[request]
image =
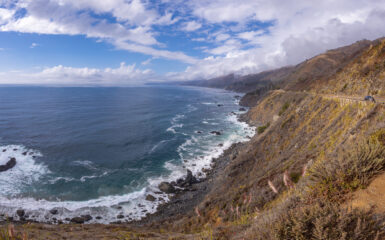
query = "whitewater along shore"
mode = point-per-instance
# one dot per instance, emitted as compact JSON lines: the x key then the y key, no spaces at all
{"x":187,"y":195}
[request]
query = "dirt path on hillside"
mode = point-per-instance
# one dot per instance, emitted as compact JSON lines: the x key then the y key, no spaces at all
{"x":372,"y":196}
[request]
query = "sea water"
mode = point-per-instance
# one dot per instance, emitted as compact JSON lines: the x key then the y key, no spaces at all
{"x":101,"y":151}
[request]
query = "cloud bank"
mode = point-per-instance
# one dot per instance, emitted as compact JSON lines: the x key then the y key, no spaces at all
{"x":124,"y":75}
{"x":220,"y":36}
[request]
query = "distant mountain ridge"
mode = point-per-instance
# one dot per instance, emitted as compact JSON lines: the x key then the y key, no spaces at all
{"x":314,"y":73}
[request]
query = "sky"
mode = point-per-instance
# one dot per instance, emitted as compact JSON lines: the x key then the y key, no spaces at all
{"x":130,"y":42}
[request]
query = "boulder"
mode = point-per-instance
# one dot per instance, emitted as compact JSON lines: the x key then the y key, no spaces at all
{"x":99,"y":217}
{"x":20,"y":213}
{"x":87,"y":217}
{"x":216,"y":133}
{"x":166,"y":187}
{"x":53,"y":211}
{"x":150,"y":198}
{"x":10,"y":164}
{"x":78,"y":220}
{"x":120,"y":216}
{"x":190,"y":179}
{"x":242,"y":109}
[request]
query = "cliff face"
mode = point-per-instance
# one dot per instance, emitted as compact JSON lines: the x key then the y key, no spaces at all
{"x":315,"y":119}
{"x":302,"y":128}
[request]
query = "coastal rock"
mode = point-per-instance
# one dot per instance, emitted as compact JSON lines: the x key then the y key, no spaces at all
{"x":20,"y":213}
{"x":199,"y":132}
{"x":87,"y":217}
{"x":99,"y":217}
{"x":53,"y":211}
{"x":220,"y":105}
{"x":166,"y":187}
{"x":10,"y":164}
{"x":120,"y":216}
{"x":150,"y":198}
{"x":78,"y":220}
{"x":190,"y":179}
{"x":216,"y":133}
{"x":242,"y":109}
{"x":220,"y":145}
{"x":24,"y":153}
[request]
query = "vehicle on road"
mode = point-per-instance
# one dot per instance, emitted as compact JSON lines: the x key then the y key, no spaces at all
{"x":369,"y":98}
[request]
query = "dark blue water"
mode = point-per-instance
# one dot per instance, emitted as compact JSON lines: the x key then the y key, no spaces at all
{"x":102,"y":150}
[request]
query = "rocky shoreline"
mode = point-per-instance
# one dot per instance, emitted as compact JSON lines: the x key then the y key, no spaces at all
{"x":186,"y":192}
{"x":186,"y":199}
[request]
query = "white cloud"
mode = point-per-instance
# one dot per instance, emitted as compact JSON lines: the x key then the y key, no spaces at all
{"x":33,"y":45}
{"x":133,"y":25}
{"x":191,"y":26}
{"x":300,"y":30}
{"x":243,"y":36}
{"x":124,"y":75}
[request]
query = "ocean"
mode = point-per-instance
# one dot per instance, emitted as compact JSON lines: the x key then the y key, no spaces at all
{"x":101,"y":151}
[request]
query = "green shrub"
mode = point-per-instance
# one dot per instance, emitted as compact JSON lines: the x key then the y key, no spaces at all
{"x":378,"y":136}
{"x":328,"y":221}
{"x":261,"y":129}
{"x":284,"y":108}
{"x":353,"y":169}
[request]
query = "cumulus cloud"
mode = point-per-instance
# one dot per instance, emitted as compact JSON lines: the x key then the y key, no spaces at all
{"x":241,"y":36}
{"x":124,"y":75}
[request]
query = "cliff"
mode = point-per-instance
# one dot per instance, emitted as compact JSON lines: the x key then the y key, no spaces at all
{"x":314,"y":170}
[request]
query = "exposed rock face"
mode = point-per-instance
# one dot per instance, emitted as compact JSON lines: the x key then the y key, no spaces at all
{"x":166,"y":187}
{"x":10,"y":164}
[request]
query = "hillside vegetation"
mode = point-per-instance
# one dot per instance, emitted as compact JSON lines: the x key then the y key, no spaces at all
{"x":304,"y":175}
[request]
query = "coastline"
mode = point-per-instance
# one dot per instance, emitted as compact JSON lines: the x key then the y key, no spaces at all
{"x":179,"y":203}
{"x":183,"y":203}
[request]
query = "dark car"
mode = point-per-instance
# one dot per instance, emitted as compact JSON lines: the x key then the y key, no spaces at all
{"x":369,"y":98}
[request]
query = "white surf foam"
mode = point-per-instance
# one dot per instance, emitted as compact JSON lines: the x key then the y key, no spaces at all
{"x":25,"y":172}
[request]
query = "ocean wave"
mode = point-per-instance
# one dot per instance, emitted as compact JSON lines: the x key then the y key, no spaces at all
{"x":25,"y":172}
{"x":195,"y":153}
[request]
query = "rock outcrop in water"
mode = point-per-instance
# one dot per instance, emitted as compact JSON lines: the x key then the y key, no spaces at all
{"x":10,"y":164}
{"x":166,"y":187}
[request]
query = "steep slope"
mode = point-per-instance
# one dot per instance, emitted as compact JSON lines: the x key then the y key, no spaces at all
{"x":365,"y":75}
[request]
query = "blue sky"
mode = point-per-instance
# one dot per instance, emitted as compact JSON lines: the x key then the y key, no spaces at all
{"x":124,"y":42}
